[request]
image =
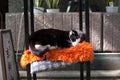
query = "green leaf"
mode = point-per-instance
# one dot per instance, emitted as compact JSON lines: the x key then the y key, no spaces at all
{"x":49,"y":3}
{"x":52,"y":3}
{"x":38,"y":3}
{"x":55,"y":3}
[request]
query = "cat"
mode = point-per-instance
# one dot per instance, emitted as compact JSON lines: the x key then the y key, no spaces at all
{"x":45,"y":39}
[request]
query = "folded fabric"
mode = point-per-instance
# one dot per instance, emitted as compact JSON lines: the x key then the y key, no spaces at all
{"x":46,"y":65}
{"x":80,"y":53}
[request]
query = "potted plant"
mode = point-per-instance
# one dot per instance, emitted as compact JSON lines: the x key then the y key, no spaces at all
{"x":38,"y":6}
{"x":52,"y":6}
{"x":111,"y":8}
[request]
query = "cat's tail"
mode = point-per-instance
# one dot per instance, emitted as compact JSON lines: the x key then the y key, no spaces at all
{"x":37,"y":51}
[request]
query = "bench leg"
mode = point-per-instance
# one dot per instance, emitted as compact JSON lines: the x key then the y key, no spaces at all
{"x":81,"y":71}
{"x":88,"y":69}
{"x":34,"y":76}
{"x":28,"y":72}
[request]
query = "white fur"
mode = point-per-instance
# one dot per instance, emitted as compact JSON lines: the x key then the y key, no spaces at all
{"x":76,"y":42}
{"x":70,"y":33}
{"x":53,"y":47}
{"x":40,"y":47}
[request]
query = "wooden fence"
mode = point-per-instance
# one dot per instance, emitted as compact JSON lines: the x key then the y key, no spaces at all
{"x":104,"y":27}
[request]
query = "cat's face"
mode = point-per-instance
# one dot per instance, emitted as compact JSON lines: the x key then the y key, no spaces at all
{"x":76,"y":37}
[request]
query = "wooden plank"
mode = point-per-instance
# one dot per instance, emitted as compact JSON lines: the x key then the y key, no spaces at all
{"x":107,"y":32}
{"x":83,"y":20}
{"x":75,"y":21}
{"x":38,"y":21}
{"x":67,"y":25}
{"x":48,"y":20}
{"x":95,"y":30}
{"x":9,"y":60}
{"x":11,"y":24}
{"x":58,"y":21}
{"x":67,"y":21}
{"x":116,"y":32}
{"x":2,"y":62}
{"x":19,"y":32}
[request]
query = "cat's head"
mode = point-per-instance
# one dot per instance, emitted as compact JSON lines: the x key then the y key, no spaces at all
{"x":76,"y":37}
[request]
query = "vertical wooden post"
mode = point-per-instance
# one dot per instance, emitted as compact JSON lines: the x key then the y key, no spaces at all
{"x":26,"y":28}
{"x":26,"y":23}
{"x":81,"y":28}
{"x":32,"y":24}
{"x":88,"y":70}
{"x":87,"y":36}
{"x":81,"y":70}
{"x":80,"y":15}
{"x":87,"y":20}
{"x":31,"y":16}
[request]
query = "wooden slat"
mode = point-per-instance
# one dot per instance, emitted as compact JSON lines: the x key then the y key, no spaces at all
{"x":7,"y":56}
{"x":11,"y":24}
{"x":19,"y":32}
{"x":95,"y":30}
{"x":48,"y":20}
{"x":67,"y":25}
{"x":75,"y":21}
{"x":116,"y":32}
{"x":67,"y":21}
{"x":107,"y":32}
{"x":39,"y":21}
{"x":58,"y":21}
{"x":83,"y":20}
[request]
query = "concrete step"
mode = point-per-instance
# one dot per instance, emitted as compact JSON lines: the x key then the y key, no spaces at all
{"x":106,"y":61}
{"x":74,"y":75}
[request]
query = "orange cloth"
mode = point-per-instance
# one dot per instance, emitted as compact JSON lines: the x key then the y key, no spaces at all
{"x":80,"y":53}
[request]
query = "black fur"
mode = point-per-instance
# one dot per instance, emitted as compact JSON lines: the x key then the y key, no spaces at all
{"x":52,"y":37}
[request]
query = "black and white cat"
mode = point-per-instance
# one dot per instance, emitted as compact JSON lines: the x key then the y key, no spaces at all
{"x":45,"y":39}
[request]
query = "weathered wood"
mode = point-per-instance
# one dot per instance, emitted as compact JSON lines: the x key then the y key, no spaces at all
{"x":15,"y":23}
{"x":39,"y":21}
{"x":107,"y":32}
{"x":20,"y":40}
{"x":67,"y":23}
{"x":75,"y":21}
{"x":48,"y":20}
{"x":116,"y":32}
{"x":111,"y":32}
{"x":104,"y":27}
{"x":9,"y":66}
{"x":2,"y":62}
{"x":11,"y":24}
{"x":58,"y":21}
{"x":95,"y":30}
{"x":83,"y":23}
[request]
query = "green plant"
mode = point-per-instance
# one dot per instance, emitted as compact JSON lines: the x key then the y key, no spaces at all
{"x":52,"y":4}
{"x":38,"y":3}
{"x":107,"y":2}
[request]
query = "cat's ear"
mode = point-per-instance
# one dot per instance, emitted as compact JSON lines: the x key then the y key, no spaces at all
{"x":82,"y":36}
{"x":70,"y":32}
{"x":73,"y":32}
